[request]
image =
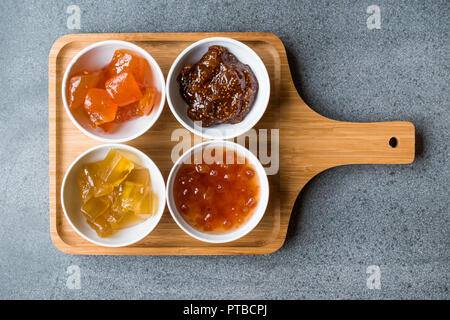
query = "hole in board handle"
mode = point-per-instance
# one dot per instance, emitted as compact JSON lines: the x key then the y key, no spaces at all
{"x":393,"y":142}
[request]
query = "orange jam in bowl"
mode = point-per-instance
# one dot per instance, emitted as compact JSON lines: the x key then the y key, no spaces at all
{"x":219,"y":193}
{"x":113,"y":91}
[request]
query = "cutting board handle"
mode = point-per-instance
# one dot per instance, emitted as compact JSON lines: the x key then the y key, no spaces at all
{"x":343,"y":143}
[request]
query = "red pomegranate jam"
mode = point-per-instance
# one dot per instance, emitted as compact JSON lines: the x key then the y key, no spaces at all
{"x":217,"y":197}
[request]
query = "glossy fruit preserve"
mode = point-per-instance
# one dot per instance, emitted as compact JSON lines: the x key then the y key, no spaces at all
{"x":116,"y":193}
{"x":219,"y":88}
{"x":217,"y":197}
{"x":119,"y":92}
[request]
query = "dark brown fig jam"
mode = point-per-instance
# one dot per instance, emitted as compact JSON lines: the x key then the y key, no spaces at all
{"x":218,"y":88}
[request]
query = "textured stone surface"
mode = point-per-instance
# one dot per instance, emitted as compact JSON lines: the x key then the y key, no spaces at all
{"x":346,"y":219}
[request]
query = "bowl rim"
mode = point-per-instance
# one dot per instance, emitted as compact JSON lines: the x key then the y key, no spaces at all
{"x":131,"y":149}
{"x":260,"y":211}
{"x":145,"y":55}
{"x":194,"y":129}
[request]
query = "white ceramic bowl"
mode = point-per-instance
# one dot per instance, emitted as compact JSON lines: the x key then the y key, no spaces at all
{"x":96,"y":57}
{"x":192,"y":55}
{"x":251,"y":222}
{"x":71,"y":201}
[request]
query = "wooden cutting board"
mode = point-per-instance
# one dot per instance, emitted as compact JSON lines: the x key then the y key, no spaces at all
{"x":308,"y":143}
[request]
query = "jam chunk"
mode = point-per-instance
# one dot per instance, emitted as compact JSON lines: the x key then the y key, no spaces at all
{"x":115,"y":217}
{"x":128,"y":61}
{"x":148,"y":205}
{"x":94,"y":210}
{"x":127,"y":221}
{"x":86,"y":181}
{"x":90,"y":184}
{"x":123,"y":89}
{"x":99,"y":107}
{"x":134,"y":195}
{"x":129,"y":197}
{"x":148,"y":100}
{"x":145,"y":205}
{"x":108,"y":126}
{"x":128,"y":112}
{"x":95,"y":207}
{"x":115,"y":168}
{"x":101,"y":226}
{"x":79,"y":85}
{"x":139,"y":175}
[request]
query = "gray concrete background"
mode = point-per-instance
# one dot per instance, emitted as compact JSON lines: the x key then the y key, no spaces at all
{"x":347,"y":218}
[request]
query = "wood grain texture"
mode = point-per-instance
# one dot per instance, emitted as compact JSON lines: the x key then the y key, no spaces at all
{"x":309,"y":144}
